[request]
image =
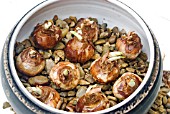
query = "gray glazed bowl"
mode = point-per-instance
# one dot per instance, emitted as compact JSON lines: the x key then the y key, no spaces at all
{"x":114,"y":13}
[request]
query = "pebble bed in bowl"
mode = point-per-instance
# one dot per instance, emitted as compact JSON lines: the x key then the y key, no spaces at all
{"x":102,"y":45}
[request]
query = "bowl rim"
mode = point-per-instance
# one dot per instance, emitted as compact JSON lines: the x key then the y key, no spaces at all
{"x":42,"y":5}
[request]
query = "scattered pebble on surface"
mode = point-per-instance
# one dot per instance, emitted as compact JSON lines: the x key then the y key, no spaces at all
{"x":162,"y":102}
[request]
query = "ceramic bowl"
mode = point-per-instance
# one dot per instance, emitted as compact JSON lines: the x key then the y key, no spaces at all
{"x":114,"y":13}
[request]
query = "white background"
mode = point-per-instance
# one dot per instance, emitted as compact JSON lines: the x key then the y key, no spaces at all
{"x":155,"y":12}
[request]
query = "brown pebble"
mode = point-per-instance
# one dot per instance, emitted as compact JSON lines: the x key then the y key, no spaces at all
{"x":71,"y":93}
{"x":70,"y":98}
{"x":11,"y":109}
{"x":168,"y":110}
{"x":81,"y":91}
{"x":162,"y":109}
{"x":129,"y":69}
{"x":112,"y":98}
{"x":59,"y":45}
{"x":26,"y":84}
{"x":59,"y":104}
{"x":63,"y":106}
{"x":106,"y":87}
{"x":158,"y":102}
{"x":168,"y":105}
{"x":122,"y":71}
{"x":168,"y":100}
{"x":112,"y":39}
{"x":124,"y":65}
{"x":165,"y":89}
{"x":84,"y":82}
{"x":89,"y":78}
{"x":63,"y":94}
{"x":112,"y":103}
{"x":108,"y":92}
{"x":96,"y":56}
{"x":82,"y":73}
{"x":6,"y":105}
{"x":99,"y":48}
{"x":38,"y":80}
{"x":163,"y":93}
{"x":101,"y":41}
{"x":154,"y":106}
{"x":65,"y":100}
{"x":153,"y":112}
{"x":86,"y":65}
{"x":105,"y":48}
{"x":165,"y":100}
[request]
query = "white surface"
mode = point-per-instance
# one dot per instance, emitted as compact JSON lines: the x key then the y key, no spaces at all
{"x":155,"y":13}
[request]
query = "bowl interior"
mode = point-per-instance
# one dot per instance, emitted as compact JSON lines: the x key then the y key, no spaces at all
{"x":113,"y":13}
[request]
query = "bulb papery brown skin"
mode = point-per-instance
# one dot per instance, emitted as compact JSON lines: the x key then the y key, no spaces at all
{"x":92,"y":101}
{"x":80,"y":48}
{"x":103,"y":70}
{"x":46,"y":35}
{"x":126,"y":85}
{"x":130,"y":45}
{"x":65,"y":75}
{"x":89,"y":29}
{"x":79,"y":51}
{"x":45,"y":94}
{"x":30,"y":62}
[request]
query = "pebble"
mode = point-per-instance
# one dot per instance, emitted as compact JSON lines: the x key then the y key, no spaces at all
{"x":96,"y":56}
{"x":112,"y":98}
{"x":65,"y":100}
{"x":129,"y":69}
{"x":112,"y":39}
{"x":89,"y":78}
{"x":106,"y":87}
{"x":19,"y":48}
{"x":162,"y":102}
{"x":165,"y":100}
{"x":112,"y":103}
{"x":86,"y":65}
{"x":168,"y":110}
{"x":122,"y":71}
{"x":124,"y":65}
{"x":106,"y":48}
{"x":63,"y":94}
{"x":168,"y":100}
{"x":70,"y":98}
{"x":154,"y":106}
{"x":59,"y":104}
{"x":158,"y":102}
{"x":161,"y":109}
{"x":108,"y":92}
{"x":99,"y":48}
{"x":6,"y":105}
{"x":84,"y":82}
{"x":63,"y":106}
{"x":38,"y":80}
{"x":168,"y":105}
{"x":71,"y":93}
{"x":101,"y":41}
{"x":152,"y":112}
{"x":59,"y":45}
{"x":81,"y":91}
{"x":82,"y":73}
